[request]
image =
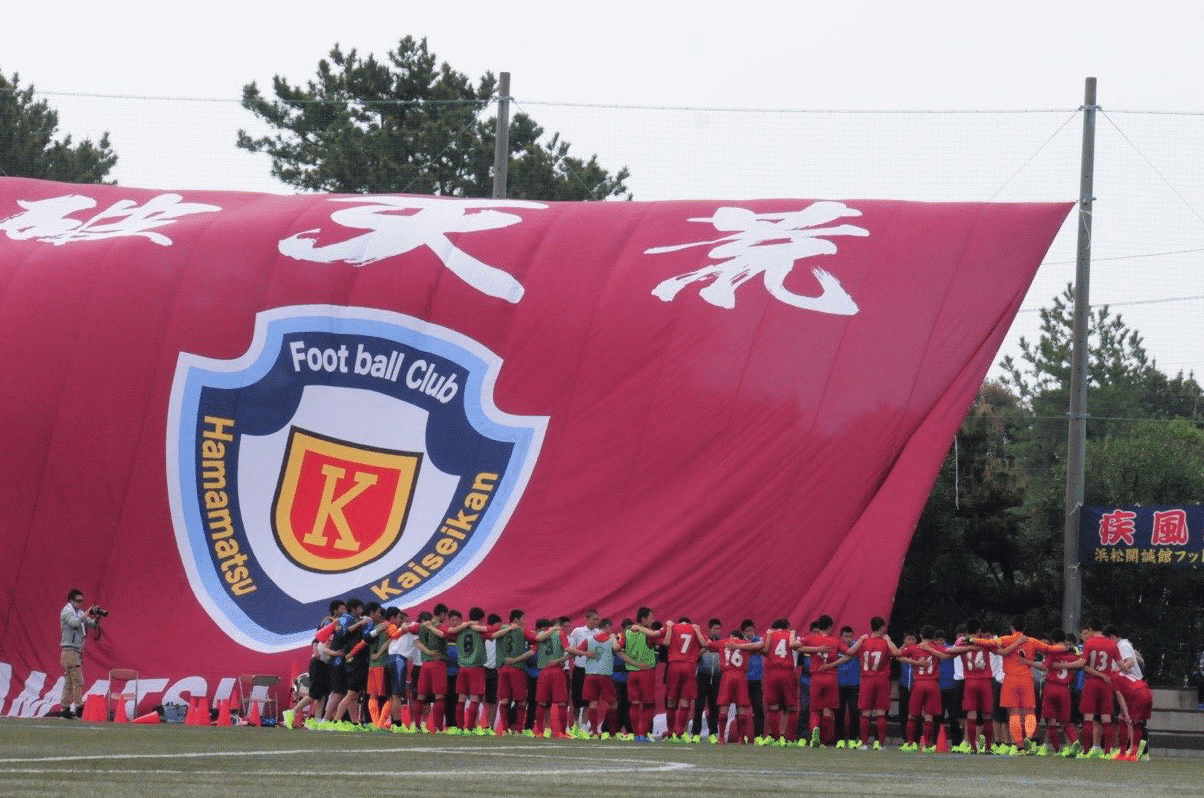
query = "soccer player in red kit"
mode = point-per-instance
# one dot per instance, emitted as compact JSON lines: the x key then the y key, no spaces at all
{"x":825,"y":650}
{"x":470,"y":682}
{"x":874,"y":652}
{"x":637,"y":650}
{"x":1135,"y":700}
{"x":978,"y":695}
{"x":551,"y":687}
{"x":733,"y":683}
{"x":779,"y":682}
{"x":685,"y":641}
{"x":513,"y":650}
{"x":1095,"y":703}
{"x":925,"y":691}
{"x":432,"y":676}
{"x":1060,"y":670}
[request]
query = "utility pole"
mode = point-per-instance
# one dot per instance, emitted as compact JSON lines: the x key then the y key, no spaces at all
{"x":1076,"y":447}
{"x":501,"y":143}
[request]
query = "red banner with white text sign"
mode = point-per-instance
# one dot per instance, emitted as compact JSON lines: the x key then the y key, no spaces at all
{"x":227,"y":410}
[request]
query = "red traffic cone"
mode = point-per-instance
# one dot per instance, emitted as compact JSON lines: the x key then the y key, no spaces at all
{"x":223,"y":713}
{"x":120,"y":715}
{"x":253,"y":715}
{"x":942,"y":741}
{"x":149,"y":717}
{"x":94,"y":709}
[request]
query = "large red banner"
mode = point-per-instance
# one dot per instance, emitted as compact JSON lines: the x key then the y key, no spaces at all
{"x":226,"y":409}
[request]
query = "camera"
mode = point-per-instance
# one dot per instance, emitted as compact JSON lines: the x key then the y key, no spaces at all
{"x":100,"y":612}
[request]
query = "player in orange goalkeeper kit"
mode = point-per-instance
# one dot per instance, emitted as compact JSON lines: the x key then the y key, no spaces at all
{"x":1017,"y":695}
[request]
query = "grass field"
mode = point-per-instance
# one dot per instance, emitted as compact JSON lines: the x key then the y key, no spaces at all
{"x":57,"y":757}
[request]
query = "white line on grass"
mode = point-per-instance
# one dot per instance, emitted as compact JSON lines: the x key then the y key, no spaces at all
{"x":612,"y":765}
{"x":241,"y":752}
{"x":443,"y":772}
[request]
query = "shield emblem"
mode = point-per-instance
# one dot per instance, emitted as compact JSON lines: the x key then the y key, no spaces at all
{"x":349,"y":451}
{"x":341,"y":505}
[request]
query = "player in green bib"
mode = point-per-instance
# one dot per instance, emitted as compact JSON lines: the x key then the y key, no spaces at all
{"x":513,"y":651}
{"x":470,"y":682}
{"x":640,"y":656}
{"x":432,"y":677}
{"x":552,"y":651}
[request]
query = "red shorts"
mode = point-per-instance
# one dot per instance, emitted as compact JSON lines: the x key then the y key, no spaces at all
{"x":552,"y":687}
{"x":825,"y":692}
{"x":432,"y":678}
{"x":641,"y":686}
{"x":598,"y":688}
{"x":978,"y":696}
{"x":925,"y":699}
{"x":511,"y":684}
{"x":376,"y":682}
{"x":681,"y":683}
{"x":874,"y":694}
{"x":471,"y":681}
{"x":733,"y":689}
{"x":1096,"y":698}
{"x":780,"y":688}
{"x":1140,"y":706}
{"x":1055,"y":702}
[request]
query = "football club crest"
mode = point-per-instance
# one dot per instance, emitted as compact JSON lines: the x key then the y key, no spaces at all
{"x":347,"y":452}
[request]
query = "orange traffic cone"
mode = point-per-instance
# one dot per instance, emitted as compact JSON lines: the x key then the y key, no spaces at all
{"x":192,"y":717}
{"x":120,"y":715}
{"x":149,"y":717}
{"x":253,"y":715}
{"x":942,"y":741}
{"x":223,"y":713}
{"x":94,"y":709}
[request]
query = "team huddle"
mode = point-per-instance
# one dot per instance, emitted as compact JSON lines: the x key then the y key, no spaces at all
{"x":568,"y":680}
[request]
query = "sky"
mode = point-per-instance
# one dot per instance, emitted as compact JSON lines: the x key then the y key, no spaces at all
{"x":710,"y":55}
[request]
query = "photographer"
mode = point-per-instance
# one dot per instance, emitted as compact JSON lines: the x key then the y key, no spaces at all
{"x":74,"y":623}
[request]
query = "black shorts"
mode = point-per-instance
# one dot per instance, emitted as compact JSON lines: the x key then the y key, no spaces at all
{"x":319,"y":679}
{"x":1001,"y":713}
{"x":395,"y":675}
{"x":357,"y":675}
{"x":491,"y":685}
{"x":338,"y":677}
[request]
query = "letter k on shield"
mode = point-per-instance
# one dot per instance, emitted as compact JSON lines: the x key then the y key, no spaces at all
{"x":340,"y":505}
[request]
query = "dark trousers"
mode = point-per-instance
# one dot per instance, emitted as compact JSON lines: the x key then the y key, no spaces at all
{"x":847,"y":716}
{"x":708,"y":698}
{"x":622,"y":710}
{"x":758,"y":707}
{"x":449,"y":702}
{"x":904,"y":700}
{"x":951,"y":702}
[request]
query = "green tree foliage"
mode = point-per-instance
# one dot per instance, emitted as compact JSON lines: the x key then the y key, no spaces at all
{"x":972,"y":553}
{"x":989,"y":542}
{"x":28,"y":147}
{"x":410,"y":124}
